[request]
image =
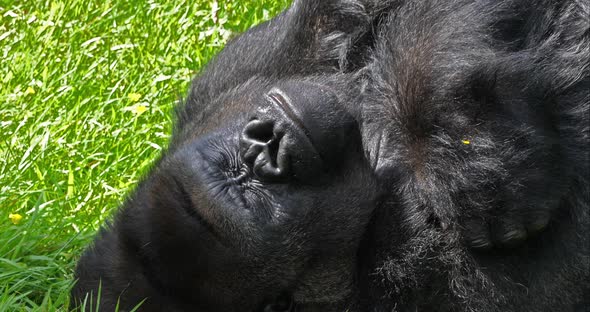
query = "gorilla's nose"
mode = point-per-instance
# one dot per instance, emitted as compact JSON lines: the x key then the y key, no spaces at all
{"x":264,"y":150}
{"x":300,"y":134}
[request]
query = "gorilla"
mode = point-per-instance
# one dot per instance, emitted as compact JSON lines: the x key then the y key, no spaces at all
{"x":369,"y":155}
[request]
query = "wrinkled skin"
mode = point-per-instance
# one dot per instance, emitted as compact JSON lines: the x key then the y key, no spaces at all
{"x":370,"y":156}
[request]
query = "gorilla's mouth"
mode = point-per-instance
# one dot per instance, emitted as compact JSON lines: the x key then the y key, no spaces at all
{"x":229,"y":189}
{"x":221,"y":168}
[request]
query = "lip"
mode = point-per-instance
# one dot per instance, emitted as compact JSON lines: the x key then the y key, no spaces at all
{"x":212,"y":194}
{"x":191,"y":210}
{"x":212,"y":168}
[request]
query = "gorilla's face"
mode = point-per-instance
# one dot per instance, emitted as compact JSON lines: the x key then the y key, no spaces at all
{"x":268,"y":208}
{"x":263,"y":194}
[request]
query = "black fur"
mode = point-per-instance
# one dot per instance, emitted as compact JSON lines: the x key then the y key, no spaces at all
{"x":474,"y":120}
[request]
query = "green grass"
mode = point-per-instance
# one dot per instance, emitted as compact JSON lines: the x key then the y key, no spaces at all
{"x":87,"y":89}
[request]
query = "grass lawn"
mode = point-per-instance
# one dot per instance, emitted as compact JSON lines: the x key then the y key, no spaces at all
{"x":87,"y":89}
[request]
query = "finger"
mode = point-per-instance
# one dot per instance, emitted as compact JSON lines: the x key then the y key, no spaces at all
{"x":477,"y":234}
{"x":508,"y":231}
{"x":537,"y":221}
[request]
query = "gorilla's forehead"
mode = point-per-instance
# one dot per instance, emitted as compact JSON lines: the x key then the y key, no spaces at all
{"x":212,"y":111}
{"x":235,"y":105}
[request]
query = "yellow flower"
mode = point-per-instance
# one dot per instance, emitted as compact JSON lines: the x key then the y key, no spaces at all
{"x":466,"y":142}
{"x":29,"y":90}
{"x":15,"y":218}
{"x":139,"y":109}
{"x":134,"y":97}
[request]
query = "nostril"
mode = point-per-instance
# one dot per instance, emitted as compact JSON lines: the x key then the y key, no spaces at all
{"x":273,"y":152}
{"x":259,"y":131}
{"x":260,"y":149}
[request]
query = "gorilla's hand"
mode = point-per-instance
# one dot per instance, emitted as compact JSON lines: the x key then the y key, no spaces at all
{"x":482,"y":144}
{"x":491,"y":165}
{"x":498,"y":186}
{"x":517,"y":199}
